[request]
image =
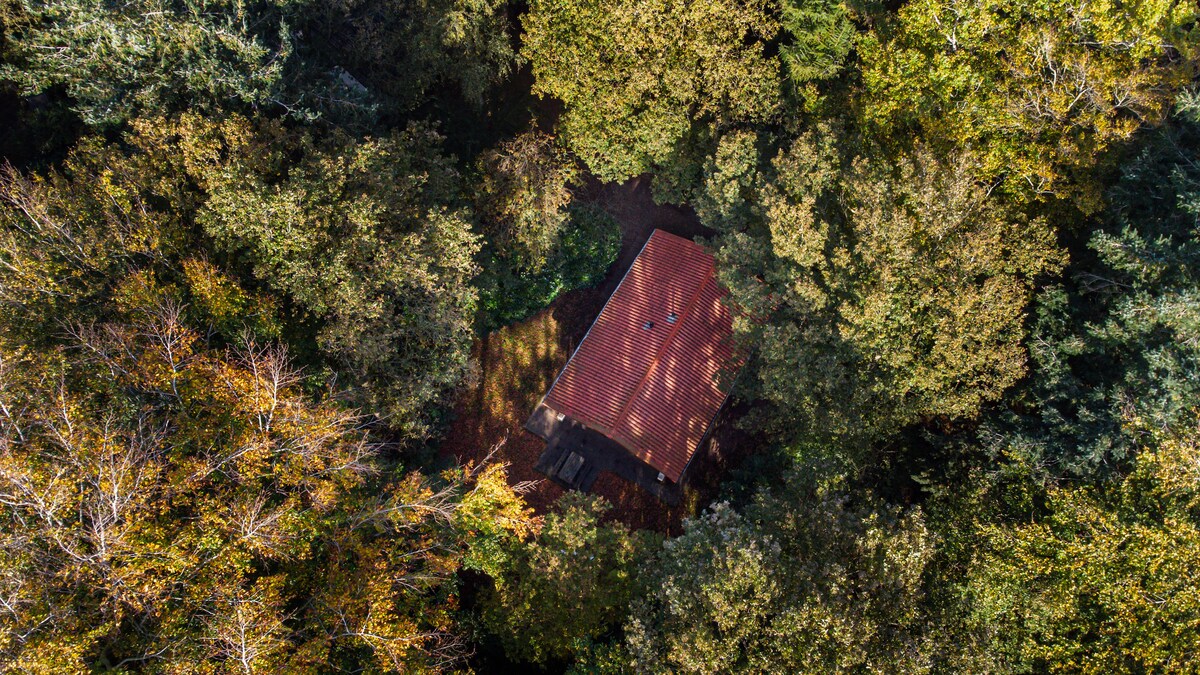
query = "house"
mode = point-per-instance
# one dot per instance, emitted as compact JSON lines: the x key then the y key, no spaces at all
{"x":641,"y":391}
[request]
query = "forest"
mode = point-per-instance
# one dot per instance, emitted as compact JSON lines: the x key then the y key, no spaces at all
{"x":279,"y":280}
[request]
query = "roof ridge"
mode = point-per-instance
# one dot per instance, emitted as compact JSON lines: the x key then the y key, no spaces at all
{"x":687,"y":311}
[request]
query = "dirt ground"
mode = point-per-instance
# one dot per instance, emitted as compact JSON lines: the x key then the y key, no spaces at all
{"x":517,"y":364}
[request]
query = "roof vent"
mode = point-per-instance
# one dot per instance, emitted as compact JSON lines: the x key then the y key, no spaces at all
{"x":647,"y":326}
{"x":672,"y":317}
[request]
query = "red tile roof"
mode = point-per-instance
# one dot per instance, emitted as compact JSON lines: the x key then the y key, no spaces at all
{"x":640,"y":378}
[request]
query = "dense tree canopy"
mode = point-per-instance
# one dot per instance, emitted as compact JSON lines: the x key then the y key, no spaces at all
{"x":523,"y":198}
{"x":820,"y":37}
{"x":168,"y":502}
{"x":272,"y":273}
{"x":568,"y":583}
{"x":116,"y":60}
{"x":397,"y":51}
{"x":832,"y":586}
{"x":1106,"y":581}
{"x":1119,"y":337}
{"x":366,"y":236}
{"x":542,"y":241}
{"x":875,"y":295}
{"x":69,"y":237}
{"x":634,"y":85}
{"x":1039,"y":89}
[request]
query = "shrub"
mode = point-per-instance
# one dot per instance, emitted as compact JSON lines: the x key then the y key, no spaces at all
{"x":587,"y":248}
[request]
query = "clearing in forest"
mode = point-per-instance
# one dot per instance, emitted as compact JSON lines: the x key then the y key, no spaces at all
{"x":518,"y":363}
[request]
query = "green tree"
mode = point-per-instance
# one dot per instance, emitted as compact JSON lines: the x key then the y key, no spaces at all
{"x":571,"y":581}
{"x":366,"y":241}
{"x":1119,"y":335}
{"x":1105,"y":581}
{"x":366,"y":236}
{"x":581,"y":257}
{"x":875,"y":294}
{"x":807,"y":580}
{"x":523,"y":196}
{"x":636,"y":77}
{"x":154,"y":55}
{"x":1039,"y":90}
{"x":821,"y":36}
{"x":173,"y":505}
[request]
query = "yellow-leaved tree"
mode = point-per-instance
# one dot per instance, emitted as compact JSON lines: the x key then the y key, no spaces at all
{"x":1039,"y":89}
{"x":175,"y":495}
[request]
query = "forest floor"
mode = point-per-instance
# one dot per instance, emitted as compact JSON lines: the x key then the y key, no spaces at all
{"x":518,"y":363}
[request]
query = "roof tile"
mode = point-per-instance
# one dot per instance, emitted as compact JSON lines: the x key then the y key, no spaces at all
{"x":647,"y":382}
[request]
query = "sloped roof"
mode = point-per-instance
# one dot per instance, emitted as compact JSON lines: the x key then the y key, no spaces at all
{"x":645,"y":374}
